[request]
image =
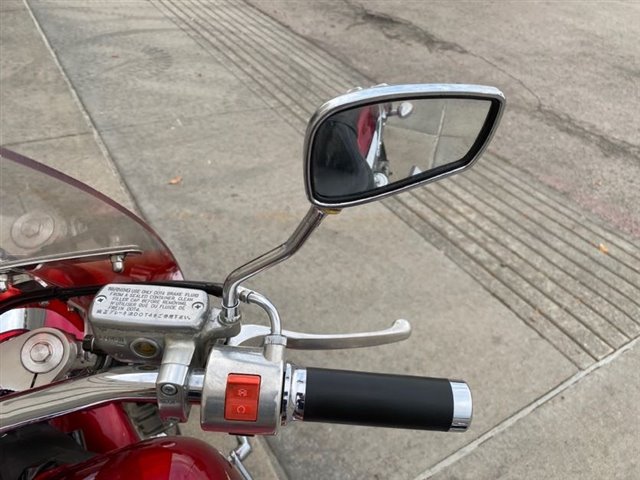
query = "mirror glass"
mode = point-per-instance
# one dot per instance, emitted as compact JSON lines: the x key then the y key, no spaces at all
{"x":359,"y":152}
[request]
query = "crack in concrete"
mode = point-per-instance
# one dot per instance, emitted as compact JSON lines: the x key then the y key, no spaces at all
{"x":395,"y":28}
{"x":569,"y":125}
{"x":132,"y":201}
{"x":431,"y":41}
{"x":511,"y":421}
{"x":46,"y":139}
{"x":632,"y":73}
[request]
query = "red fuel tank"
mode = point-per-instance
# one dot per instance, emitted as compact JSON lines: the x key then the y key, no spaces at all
{"x":168,"y":458}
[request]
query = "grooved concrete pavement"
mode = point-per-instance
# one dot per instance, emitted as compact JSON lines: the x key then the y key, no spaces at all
{"x":219,"y":93}
{"x":565,"y":294}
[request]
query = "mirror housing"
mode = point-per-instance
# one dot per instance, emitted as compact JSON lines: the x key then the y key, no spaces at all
{"x":406,"y":98}
{"x":337,"y":118}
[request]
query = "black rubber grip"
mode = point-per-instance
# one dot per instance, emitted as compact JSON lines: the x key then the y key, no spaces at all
{"x":378,"y":400}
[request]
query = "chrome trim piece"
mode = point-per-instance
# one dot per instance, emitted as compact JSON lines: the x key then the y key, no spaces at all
{"x":398,"y":331}
{"x":462,"y":406}
{"x":275,"y":347}
{"x":286,"y":393}
{"x":79,"y":255}
{"x":196,"y":385}
{"x":230,"y":312}
{"x":390,"y":93}
{"x":22,"y":319}
{"x":294,"y":394}
{"x":298,"y":393}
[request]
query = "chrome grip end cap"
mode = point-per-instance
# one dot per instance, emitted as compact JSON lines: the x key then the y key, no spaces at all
{"x":462,"y":406}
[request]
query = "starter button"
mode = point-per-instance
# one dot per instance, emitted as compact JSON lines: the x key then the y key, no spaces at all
{"x":241,"y":397}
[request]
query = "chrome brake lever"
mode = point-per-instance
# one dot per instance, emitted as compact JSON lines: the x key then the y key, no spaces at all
{"x":399,"y":330}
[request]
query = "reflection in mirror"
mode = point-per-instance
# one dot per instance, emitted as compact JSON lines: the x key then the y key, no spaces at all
{"x":364,"y":149}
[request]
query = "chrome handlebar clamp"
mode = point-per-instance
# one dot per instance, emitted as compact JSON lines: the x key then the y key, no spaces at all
{"x":173,"y":378}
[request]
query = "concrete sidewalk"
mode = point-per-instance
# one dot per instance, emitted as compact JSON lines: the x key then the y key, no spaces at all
{"x":41,"y":115}
{"x":187,"y":89}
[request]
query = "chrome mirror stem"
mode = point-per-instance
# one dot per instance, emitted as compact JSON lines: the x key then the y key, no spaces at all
{"x":230,"y":312}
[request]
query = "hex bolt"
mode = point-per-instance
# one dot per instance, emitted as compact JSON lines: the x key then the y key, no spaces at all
{"x":169,"y":389}
{"x":31,"y":228}
{"x":117,"y":263}
{"x":40,"y":352}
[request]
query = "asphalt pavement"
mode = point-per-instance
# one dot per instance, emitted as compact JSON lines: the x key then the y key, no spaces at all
{"x":513,"y":277}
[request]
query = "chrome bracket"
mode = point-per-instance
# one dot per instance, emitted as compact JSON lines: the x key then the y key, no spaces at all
{"x":173,"y":378}
{"x":117,"y":263}
{"x":5,"y":282}
{"x":293,"y":394}
{"x":398,"y":331}
{"x":87,"y":255}
{"x":239,"y":454}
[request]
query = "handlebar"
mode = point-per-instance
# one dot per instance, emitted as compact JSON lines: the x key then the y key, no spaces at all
{"x":136,"y":384}
{"x":382,"y":400}
{"x":310,"y":394}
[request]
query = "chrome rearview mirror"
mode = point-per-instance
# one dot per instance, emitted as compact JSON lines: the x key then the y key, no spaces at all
{"x":372,"y":143}
{"x":369,"y":144}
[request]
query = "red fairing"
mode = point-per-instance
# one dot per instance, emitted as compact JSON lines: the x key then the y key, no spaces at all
{"x":103,"y":428}
{"x":170,"y":458}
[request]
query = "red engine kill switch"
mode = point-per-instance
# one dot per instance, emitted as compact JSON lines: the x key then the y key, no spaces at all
{"x":241,"y":397}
